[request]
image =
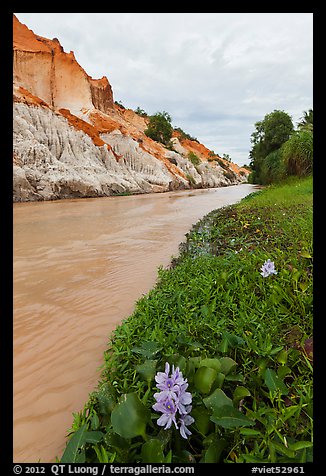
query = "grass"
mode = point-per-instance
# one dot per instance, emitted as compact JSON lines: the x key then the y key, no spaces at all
{"x":244,"y":343}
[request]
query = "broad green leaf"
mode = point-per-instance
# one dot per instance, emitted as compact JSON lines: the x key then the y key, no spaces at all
{"x":219,"y":380}
{"x":211,"y":363}
{"x":234,"y":377}
{"x":70,"y":454}
{"x":217,"y":400}
{"x":204,"y":378}
{"x":274,"y":382}
{"x":202,"y":420}
{"x":214,"y":451}
{"x":227,"y":364}
{"x":152,"y":452}
{"x":93,"y":436}
{"x":130,"y":416}
{"x":229,"y":417}
{"x":147,"y":370}
{"x":116,"y":441}
{"x":240,"y":393}
{"x":283,"y":371}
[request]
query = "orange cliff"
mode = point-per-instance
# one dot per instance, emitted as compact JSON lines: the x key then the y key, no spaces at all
{"x":68,"y":108}
{"x":43,"y":68}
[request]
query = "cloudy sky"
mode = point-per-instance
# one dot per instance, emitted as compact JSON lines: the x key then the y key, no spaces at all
{"x":216,"y":74}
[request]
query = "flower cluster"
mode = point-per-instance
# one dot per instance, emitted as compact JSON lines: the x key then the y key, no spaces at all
{"x":173,"y":398}
{"x":268,"y":268}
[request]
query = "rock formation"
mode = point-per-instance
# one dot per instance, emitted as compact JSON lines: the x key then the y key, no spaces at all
{"x":72,"y":140}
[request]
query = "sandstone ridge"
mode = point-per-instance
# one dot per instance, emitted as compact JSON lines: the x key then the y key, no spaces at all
{"x":72,"y":140}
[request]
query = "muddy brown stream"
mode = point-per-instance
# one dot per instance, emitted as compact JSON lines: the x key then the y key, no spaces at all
{"x":79,"y":267}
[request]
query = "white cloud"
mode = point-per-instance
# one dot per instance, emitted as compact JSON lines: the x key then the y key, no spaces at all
{"x":215,"y":73}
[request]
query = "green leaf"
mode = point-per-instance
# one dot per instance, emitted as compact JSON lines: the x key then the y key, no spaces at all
{"x":229,"y":417}
{"x":147,"y":370}
{"x":148,"y":349}
{"x":227,"y":364}
{"x":211,"y":363}
{"x":214,"y":451}
{"x":299,"y":445}
{"x":202,"y":420}
{"x":152,"y":452}
{"x":130,"y":416}
{"x":204,"y":378}
{"x":93,"y":436}
{"x":240,"y":393}
{"x":249,"y":432}
{"x":95,"y":422}
{"x":283,"y":371}
{"x":305,"y":254}
{"x":219,"y":380}
{"x":274,"y":382}
{"x":70,"y":454}
{"x":282,"y":357}
{"x":283,"y":450}
{"x":116,"y":441}
{"x":217,"y":400}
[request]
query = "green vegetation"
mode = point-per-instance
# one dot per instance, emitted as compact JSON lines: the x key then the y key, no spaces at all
{"x":160,"y":128}
{"x":194,"y":159}
{"x":185,"y":135}
{"x":141,"y":112}
{"x":278,"y":150}
{"x":242,"y":340}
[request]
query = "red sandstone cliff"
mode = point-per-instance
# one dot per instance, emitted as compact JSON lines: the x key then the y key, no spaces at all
{"x":46,"y":71}
{"x":59,"y":95}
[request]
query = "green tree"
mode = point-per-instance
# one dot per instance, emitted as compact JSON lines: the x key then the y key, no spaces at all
{"x":306,"y":122}
{"x":227,"y":157}
{"x":160,"y":128}
{"x":270,"y":134}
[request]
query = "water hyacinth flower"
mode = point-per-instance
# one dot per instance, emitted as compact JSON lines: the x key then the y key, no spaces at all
{"x":172,"y":399}
{"x":268,"y":268}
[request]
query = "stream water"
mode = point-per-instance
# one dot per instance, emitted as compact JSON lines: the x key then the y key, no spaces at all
{"x":79,"y":267}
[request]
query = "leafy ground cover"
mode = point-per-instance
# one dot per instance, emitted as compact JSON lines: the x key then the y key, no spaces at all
{"x":242,"y":341}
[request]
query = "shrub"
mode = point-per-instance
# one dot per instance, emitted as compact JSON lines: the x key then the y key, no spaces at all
{"x":160,"y":128}
{"x":297,"y":153}
{"x":194,"y":159}
{"x":273,"y":168}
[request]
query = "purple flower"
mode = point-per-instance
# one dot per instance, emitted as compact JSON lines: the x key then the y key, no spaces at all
{"x":268,"y":268}
{"x":169,"y":409}
{"x":173,"y":398}
{"x":184,"y":421}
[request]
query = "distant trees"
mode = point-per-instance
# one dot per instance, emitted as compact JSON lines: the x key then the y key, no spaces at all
{"x":278,"y":150}
{"x":160,"y":128}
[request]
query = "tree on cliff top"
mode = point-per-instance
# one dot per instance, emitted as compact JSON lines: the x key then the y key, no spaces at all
{"x":160,"y":128}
